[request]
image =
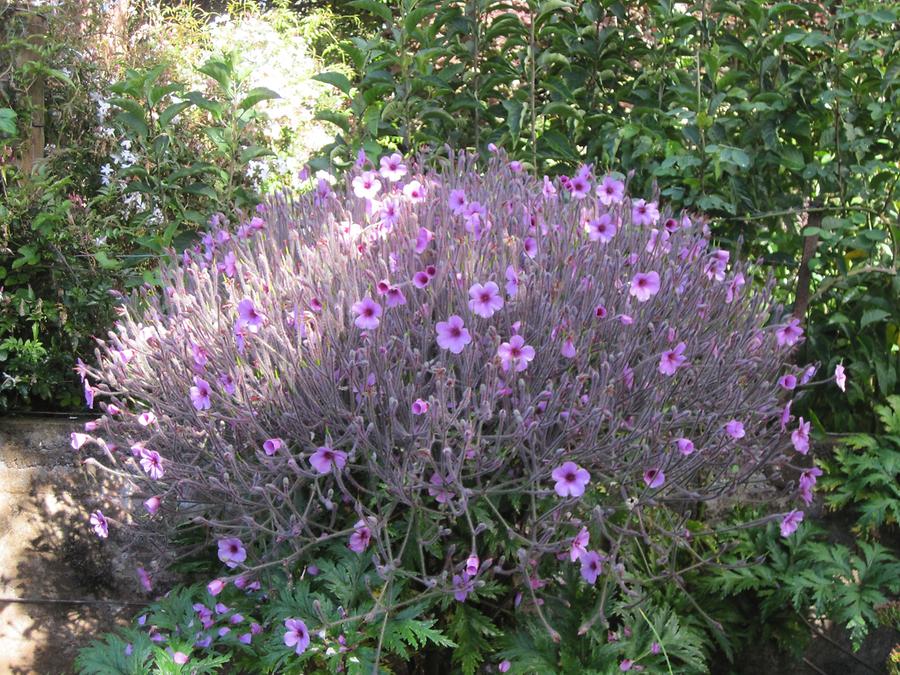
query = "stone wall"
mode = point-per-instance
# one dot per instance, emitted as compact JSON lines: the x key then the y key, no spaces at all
{"x":60,"y":585}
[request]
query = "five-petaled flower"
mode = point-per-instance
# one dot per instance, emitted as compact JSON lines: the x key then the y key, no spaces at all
{"x":685,"y":446}
{"x":791,"y":522}
{"x":654,"y":478}
{"x":515,"y":354}
{"x":579,"y":544}
{"x":735,"y":429}
{"x":297,"y":635}
{"x":367,"y":312}
{"x":672,"y":359}
{"x":200,"y":394}
{"x":152,"y":463}
{"x":392,"y":167}
{"x":800,"y":437}
{"x":485,"y":299}
{"x":644,"y":213}
{"x":366,"y":185}
{"x":232,"y":551}
{"x":610,"y":191}
{"x":452,"y":334}
{"x":362,"y":535}
{"x":571,"y":480}
{"x":249,"y":317}
{"x":789,"y":334}
{"x":601,"y":229}
{"x":99,"y":524}
{"x":324,"y":458}
{"x":644,"y":286}
{"x":437,"y":489}
{"x":591,"y":566}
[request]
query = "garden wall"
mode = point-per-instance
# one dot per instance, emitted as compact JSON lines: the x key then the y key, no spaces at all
{"x":60,"y":586}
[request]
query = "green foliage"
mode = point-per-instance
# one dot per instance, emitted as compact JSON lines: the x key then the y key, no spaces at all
{"x":864,"y":473}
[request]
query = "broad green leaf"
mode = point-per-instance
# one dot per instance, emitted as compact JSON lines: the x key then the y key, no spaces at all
{"x":256,"y":95}
{"x":375,"y":7}
{"x":335,"y":79}
{"x":7,"y":121}
{"x":166,"y":116}
{"x":871,"y":316}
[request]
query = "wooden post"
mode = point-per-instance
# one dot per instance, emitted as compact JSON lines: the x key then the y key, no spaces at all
{"x":32,"y":149}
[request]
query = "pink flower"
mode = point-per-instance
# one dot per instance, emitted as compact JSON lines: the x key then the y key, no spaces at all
{"x":610,"y":191}
{"x":644,"y":286}
{"x":715,"y":268}
{"x":591,"y":566}
{"x":786,"y":415}
{"x":462,"y":586}
{"x":232,"y":551}
{"x":89,"y":394}
{"x":515,"y":354}
{"x":734,"y":288}
{"x":323,"y":459}
{"x":800,"y":437}
{"x":600,"y":312}
{"x":180,"y":658}
{"x":228,"y":266}
{"x":414,"y":191}
{"x":568,"y":349}
{"x":601,"y":229}
{"x":452,"y":334}
{"x":248,"y":316}
{"x":367,"y":313}
{"x":735,"y":429}
{"x":366,"y":185}
{"x":296,"y":636}
{"x":571,"y":480}
{"x":579,"y":186}
{"x":485,"y":300}
{"x":685,"y":446}
{"x":672,"y":359}
{"x":472,"y":564}
{"x":505,"y":665}
{"x":626,"y":665}
{"x":807,"y":482}
{"x":419,"y":407}
{"x":359,"y":540}
{"x":78,"y":439}
{"x":840,"y":377}
{"x":512,"y":281}
{"x":145,"y":419}
{"x":200,"y":394}
{"x":420,"y":279}
{"x":548,"y":189}
{"x":422,"y":239}
{"x":99,"y":524}
{"x":389,"y":214}
{"x":395,"y":297}
{"x":788,"y":382}
{"x":144,"y":578}
{"x":790,"y":334}
{"x":791,"y":522}
{"x":654,"y":478}
{"x":457,"y":201}
{"x":272,"y":445}
{"x":644,"y":213}
{"x":579,"y":544}
{"x":437,"y":490}
{"x":530,"y":247}
{"x":215,"y":586}
{"x":393,"y":167}
{"x":152,"y":505}
{"x":152,"y":463}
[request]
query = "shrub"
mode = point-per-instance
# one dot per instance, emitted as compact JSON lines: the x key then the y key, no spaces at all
{"x":471,"y":375}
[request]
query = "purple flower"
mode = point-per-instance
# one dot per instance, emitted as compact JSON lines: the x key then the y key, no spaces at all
{"x":99,"y":524}
{"x":579,"y":544}
{"x":248,"y":316}
{"x":735,"y":429}
{"x":515,"y":354}
{"x":504,"y":665}
{"x":324,"y":458}
{"x":452,"y":334}
{"x":571,"y":480}
{"x":422,"y":239}
{"x":414,"y":191}
{"x":610,"y":191}
{"x":367,"y":313}
{"x":840,"y":377}
{"x":601,"y":229}
{"x":152,"y":505}
{"x":272,"y":445}
{"x":654,"y":478}
{"x":579,"y":186}
{"x":366,"y":185}
{"x":568,"y":349}
{"x":145,"y":419}
{"x":512,"y":281}
{"x":152,"y":463}
{"x":800,"y":437}
{"x":246,"y":638}
{"x":359,"y":540}
{"x":296,"y":636}
{"x":76,"y":440}
{"x":200,"y":394}
{"x":672,"y":359}
{"x":144,"y":578}
{"x":419,"y":407}
{"x":228,"y":266}
{"x":626,"y":665}
{"x":89,"y":394}
{"x":791,"y":522}
{"x":644,"y":213}
{"x":232,"y":552}
{"x":591,"y":566}
{"x":807,"y":482}
{"x":421,"y":279}
{"x":437,"y":490}
{"x":215,"y":586}
{"x":485,"y":300}
{"x":530,"y":247}
{"x":790,"y":334}
{"x":685,"y":446}
{"x":734,"y":288}
{"x":472,"y":564}
{"x":462,"y":586}
{"x":644,"y":286}
{"x":180,"y":658}
{"x":787,"y":382}
{"x":395,"y":297}
{"x":393,"y":168}
{"x":457,"y":201}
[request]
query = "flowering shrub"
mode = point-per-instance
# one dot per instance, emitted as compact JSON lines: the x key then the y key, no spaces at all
{"x":495,"y":386}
